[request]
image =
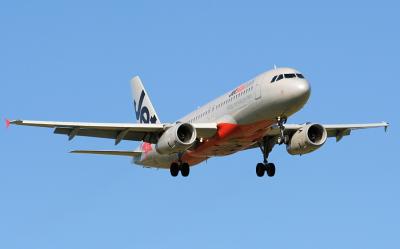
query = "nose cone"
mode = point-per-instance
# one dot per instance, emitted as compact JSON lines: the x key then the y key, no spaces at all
{"x":296,"y":94}
{"x":302,"y":89}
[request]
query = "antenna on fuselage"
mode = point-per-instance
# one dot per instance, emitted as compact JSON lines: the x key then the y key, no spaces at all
{"x":274,"y":66}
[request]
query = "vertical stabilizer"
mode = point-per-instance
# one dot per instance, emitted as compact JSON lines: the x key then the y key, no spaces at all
{"x":144,"y":110}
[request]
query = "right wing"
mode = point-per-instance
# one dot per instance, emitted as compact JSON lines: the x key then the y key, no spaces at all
{"x":118,"y":131}
{"x":333,"y":130}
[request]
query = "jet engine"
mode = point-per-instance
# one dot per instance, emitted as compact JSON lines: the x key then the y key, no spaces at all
{"x":176,"y":139}
{"x":307,"y":139}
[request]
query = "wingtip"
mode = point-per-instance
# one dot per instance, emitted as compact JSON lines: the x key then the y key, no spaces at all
{"x":13,"y":122}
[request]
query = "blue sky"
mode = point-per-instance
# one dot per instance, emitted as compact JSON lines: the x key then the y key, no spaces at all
{"x":72,"y":61}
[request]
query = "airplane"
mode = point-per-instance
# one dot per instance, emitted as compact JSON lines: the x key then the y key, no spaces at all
{"x":253,"y":115}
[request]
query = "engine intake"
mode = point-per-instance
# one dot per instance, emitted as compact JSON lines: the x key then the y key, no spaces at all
{"x":307,"y":139}
{"x":177,"y":139}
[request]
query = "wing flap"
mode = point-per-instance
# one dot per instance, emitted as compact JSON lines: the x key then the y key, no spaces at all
{"x":108,"y":152}
{"x":133,"y":136}
{"x":355,"y":126}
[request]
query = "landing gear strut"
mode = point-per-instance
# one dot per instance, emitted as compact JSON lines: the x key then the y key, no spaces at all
{"x":266,"y":146}
{"x":182,"y":167}
{"x":282,"y":139}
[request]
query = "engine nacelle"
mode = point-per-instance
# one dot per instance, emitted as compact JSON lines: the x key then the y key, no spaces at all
{"x":307,"y":139}
{"x":176,"y":139}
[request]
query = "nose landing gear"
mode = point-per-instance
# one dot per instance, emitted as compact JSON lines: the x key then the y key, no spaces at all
{"x":266,"y":147}
{"x":282,"y":139}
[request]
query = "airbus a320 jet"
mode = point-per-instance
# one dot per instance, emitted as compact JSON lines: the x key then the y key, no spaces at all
{"x":253,"y":115}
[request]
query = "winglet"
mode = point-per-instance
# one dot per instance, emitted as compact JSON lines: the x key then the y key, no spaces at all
{"x":8,"y":122}
{"x":386,"y":126}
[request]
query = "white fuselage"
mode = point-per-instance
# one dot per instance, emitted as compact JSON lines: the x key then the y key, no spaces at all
{"x":244,"y":115}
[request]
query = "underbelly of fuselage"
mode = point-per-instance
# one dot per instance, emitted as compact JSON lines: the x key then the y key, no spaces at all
{"x":230,"y":138}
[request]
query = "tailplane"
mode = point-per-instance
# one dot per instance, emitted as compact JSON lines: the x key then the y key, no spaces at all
{"x":144,"y":110}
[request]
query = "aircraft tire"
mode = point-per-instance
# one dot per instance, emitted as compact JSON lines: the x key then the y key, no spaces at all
{"x":174,"y":169}
{"x":260,"y":169}
{"x":270,"y":168}
{"x":185,"y":169}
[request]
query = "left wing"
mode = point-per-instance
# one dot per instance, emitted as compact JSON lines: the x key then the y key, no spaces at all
{"x":118,"y":131}
{"x":333,"y":130}
{"x":109,"y":152}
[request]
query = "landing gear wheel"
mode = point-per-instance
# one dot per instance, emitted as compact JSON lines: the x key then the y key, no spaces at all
{"x":174,"y":169}
{"x":185,"y":169}
{"x":270,"y":168}
{"x":266,"y":146}
{"x":260,"y":169}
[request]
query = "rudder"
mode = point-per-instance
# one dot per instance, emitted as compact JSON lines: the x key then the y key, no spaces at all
{"x":144,"y":110}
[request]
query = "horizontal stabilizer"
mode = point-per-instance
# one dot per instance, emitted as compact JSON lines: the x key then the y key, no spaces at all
{"x":108,"y":152}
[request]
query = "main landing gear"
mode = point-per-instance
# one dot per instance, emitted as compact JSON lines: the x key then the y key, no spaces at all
{"x":182,"y":167}
{"x":266,"y":147}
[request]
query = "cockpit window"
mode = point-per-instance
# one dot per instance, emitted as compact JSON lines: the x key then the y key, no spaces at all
{"x":287,"y":76}
{"x":290,"y":75}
